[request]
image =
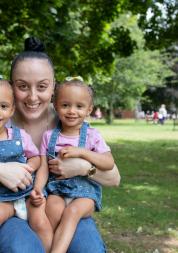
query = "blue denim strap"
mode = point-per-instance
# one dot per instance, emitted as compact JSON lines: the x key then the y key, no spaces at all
{"x":83,"y":135}
{"x":53,"y":139}
{"x":55,"y":133}
{"x":16,"y":133}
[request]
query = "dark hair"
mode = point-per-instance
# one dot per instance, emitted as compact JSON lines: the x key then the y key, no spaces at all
{"x":73,"y":82}
{"x":33,"y":48}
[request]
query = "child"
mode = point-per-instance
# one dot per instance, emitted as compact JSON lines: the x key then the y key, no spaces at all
{"x":71,"y":199}
{"x":15,"y":146}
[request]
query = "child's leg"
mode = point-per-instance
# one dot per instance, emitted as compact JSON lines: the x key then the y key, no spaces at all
{"x":77,"y":209}
{"x":54,"y":209}
{"x":40,"y":223}
{"x":6,"y":211}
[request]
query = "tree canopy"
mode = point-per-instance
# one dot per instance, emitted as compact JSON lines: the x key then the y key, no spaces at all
{"x":77,"y":33}
{"x":94,"y":39}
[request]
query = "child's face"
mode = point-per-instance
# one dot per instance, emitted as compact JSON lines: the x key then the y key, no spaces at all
{"x":6,"y":104}
{"x":73,"y":105}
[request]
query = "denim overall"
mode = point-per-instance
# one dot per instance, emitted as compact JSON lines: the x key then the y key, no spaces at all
{"x":76,"y":187}
{"x":12,"y":151}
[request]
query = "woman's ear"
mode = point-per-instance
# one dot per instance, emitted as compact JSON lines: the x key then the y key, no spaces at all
{"x":52,"y":98}
{"x":54,"y":87}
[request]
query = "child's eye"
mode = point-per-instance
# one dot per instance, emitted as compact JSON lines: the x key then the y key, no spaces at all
{"x":79,"y":106}
{"x":4,"y":106}
{"x":65,"y":105}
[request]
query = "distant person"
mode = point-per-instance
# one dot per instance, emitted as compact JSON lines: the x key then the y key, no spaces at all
{"x":155,"y":117}
{"x":98,"y":113}
{"x":162,"y":114}
{"x":148,"y":116}
{"x":174,"y":116}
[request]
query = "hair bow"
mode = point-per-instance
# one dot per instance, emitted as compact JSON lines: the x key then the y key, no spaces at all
{"x":73,"y":78}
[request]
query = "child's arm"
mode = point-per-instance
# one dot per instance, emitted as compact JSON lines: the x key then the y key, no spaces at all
{"x":34,"y":162}
{"x":103,"y":161}
{"x":40,"y":182}
{"x":42,"y":174}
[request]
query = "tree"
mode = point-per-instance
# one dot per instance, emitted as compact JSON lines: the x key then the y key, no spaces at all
{"x":160,"y":23}
{"x":76,"y":31}
{"x":130,"y":76}
{"x":84,"y":37}
{"x":168,"y":94}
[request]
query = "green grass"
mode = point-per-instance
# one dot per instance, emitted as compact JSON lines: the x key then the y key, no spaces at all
{"x":141,"y":215}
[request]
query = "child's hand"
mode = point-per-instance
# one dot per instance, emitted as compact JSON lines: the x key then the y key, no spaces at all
{"x":36,"y":197}
{"x":71,"y":152}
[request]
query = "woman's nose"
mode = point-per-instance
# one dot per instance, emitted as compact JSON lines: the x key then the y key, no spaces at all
{"x":33,"y":94}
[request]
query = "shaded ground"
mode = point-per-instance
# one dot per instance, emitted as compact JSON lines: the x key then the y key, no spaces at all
{"x":141,"y":215}
{"x":150,"y":244}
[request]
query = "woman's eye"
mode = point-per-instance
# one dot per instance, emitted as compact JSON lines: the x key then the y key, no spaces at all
{"x":42,"y":87}
{"x":23,"y":87}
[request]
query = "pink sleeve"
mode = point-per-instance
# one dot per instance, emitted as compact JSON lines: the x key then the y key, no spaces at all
{"x":29,"y":147}
{"x":96,"y":141}
{"x":44,"y":143}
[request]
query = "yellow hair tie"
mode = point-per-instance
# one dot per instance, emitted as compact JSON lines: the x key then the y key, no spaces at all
{"x":74,"y":78}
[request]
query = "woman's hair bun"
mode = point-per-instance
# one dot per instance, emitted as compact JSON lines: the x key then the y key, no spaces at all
{"x":34,"y":44}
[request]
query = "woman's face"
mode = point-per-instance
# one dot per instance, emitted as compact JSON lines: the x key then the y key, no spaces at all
{"x":33,"y":84}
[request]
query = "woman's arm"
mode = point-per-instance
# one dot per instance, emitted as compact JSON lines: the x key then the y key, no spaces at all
{"x":71,"y":167}
{"x":103,"y":161}
{"x":14,"y":175}
{"x":107,"y":178}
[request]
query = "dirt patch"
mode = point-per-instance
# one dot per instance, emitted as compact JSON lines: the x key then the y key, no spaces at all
{"x":142,"y":243}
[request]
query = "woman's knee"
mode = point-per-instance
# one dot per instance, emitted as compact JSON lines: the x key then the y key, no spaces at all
{"x":87,"y":238}
{"x":16,"y":236}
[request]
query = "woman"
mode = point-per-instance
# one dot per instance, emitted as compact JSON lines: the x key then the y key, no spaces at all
{"x":32,"y":78}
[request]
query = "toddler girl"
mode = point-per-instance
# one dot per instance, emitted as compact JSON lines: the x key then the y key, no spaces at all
{"x":15,"y":146}
{"x":69,"y":200}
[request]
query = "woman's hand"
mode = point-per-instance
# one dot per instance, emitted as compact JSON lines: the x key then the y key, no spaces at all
{"x":69,"y":167}
{"x":14,"y":175}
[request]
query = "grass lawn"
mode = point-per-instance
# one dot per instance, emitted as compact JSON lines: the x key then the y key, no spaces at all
{"x":141,"y":215}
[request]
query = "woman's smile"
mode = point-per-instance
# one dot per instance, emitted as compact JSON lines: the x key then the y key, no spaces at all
{"x":32,"y":106}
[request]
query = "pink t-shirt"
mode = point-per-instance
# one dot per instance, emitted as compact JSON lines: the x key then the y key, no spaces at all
{"x":29,"y":147}
{"x":94,"y":141}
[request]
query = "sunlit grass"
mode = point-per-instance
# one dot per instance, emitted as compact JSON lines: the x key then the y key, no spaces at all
{"x":141,"y":215}
{"x":136,"y":130}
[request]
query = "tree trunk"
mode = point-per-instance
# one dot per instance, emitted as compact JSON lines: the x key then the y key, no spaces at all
{"x":109,"y":113}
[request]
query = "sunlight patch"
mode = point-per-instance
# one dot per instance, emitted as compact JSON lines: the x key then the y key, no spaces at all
{"x":144,"y":187}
